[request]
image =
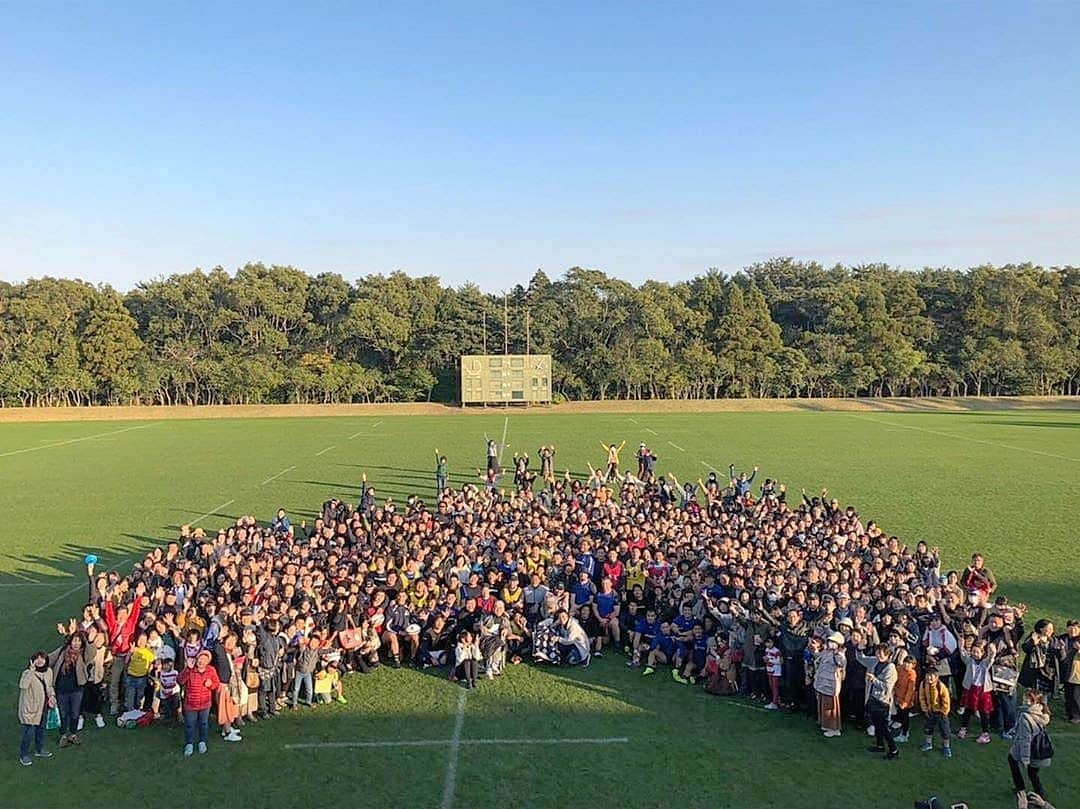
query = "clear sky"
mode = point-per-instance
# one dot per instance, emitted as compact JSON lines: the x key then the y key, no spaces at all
{"x":479,"y":141}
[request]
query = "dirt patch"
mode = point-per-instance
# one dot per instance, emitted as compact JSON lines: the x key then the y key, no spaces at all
{"x":938,"y":405}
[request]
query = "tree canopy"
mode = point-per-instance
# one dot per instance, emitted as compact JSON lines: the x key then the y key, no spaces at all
{"x":779,"y":328}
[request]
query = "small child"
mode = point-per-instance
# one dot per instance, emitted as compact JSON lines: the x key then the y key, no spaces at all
{"x":168,"y":689}
{"x":978,"y":690}
{"x":774,"y":668}
{"x":934,"y":702}
{"x":904,"y":693}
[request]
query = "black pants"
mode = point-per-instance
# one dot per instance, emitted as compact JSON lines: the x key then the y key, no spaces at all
{"x":883,"y":738}
{"x":467,"y":671}
{"x":1018,"y":777}
{"x":1072,"y":701}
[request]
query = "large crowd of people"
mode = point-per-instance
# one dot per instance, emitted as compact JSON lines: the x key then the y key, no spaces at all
{"x":798,"y":604}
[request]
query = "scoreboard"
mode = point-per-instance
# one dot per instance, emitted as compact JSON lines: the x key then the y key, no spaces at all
{"x":505,"y":378}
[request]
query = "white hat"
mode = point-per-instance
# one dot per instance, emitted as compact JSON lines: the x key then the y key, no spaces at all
{"x":836,"y":638}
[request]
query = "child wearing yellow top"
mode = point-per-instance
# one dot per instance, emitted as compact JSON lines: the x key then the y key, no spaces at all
{"x":137,"y":673}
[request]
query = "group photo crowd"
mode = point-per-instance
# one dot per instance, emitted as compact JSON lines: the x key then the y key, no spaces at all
{"x":729,"y":583}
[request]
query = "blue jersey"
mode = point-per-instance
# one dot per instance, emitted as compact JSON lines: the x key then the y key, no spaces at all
{"x":582,"y":593}
{"x":683,"y":624}
{"x":665,"y":644}
{"x":587,"y":562}
{"x":605,"y":603}
{"x":646,"y":630}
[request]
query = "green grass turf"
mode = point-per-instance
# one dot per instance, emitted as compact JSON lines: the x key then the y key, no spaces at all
{"x":1004,"y":483}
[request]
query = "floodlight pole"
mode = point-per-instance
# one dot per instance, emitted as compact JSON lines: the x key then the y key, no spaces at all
{"x":528,"y":340}
{"x":506,"y":324}
{"x":484,"y":328}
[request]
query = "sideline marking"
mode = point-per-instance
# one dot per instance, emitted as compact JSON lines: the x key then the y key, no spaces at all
{"x":969,"y":438}
{"x":455,"y":746}
{"x":279,"y":474}
{"x":376,"y":424}
{"x":321,"y":451}
{"x":650,"y":430}
{"x":680,"y":449}
{"x":74,"y":440}
{"x":212,"y":511}
{"x":84,"y":584}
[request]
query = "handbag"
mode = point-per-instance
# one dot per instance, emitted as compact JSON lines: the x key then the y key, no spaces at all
{"x":252,"y":680}
{"x":1004,"y":678}
{"x":52,"y":721}
{"x":1042,"y":748}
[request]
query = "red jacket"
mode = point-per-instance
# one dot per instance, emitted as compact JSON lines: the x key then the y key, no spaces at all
{"x":199,"y":687}
{"x":120,"y":637}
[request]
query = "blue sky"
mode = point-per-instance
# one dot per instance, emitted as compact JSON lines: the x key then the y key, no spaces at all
{"x":479,"y":141}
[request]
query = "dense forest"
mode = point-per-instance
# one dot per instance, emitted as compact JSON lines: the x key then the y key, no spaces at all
{"x":780,"y":328}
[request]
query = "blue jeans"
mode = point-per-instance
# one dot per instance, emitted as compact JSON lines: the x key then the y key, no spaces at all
{"x":196,"y":720}
{"x":70,"y":705}
{"x":134,"y":689}
{"x":305,"y":680}
{"x":1006,"y":705}
{"x":35,"y":733}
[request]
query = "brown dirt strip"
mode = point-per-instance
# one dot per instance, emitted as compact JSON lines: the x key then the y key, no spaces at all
{"x":897,"y":405}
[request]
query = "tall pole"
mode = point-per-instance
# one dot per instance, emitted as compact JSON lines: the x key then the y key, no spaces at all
{"x":506,"y":324}
{"x":528,"y":338}
{"x":484,"y":328}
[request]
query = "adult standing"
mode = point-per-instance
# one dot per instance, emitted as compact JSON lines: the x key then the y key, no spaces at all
{"x":36,"y":697}
{"x":442,"y":473}
{"x":829,"y":667}
{"x":880,"y":682}
{"x":68,"y":665}
{"x":1040,"y":658}
{"x":120,"y":624}
{"x":1031,"y":723}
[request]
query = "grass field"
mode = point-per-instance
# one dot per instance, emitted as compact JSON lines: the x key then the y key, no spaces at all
{"x":1004,"y":483}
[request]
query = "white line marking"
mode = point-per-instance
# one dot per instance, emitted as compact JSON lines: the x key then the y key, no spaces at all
{"x":74,"y":440}
{"x":632,"y":419}
{"x":502,"y":446}
{"x":83,"y":586}
{"x":650,"y":430}
{"x":710,"y":467}
{"x":451,"y":762}
{"x":212,"y":511}
{"x":747,"y":706}
{"x":279,"y":474}
{"x":969,"y":438}
{"x":446,"y":742}
{"x":680,"y":449}
{"x":321,"y":451}
{"x":354,"y":435}
{"x":31,"y":583}
{"x":376,"y":424}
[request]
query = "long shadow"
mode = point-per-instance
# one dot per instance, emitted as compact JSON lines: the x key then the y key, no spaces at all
{"x":1064,"y":425}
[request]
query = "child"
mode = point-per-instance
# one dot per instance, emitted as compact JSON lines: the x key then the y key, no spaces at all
{"x":978,"y":690}
{"x":934,"y":702}
{"x":467,"y":659}
{"x":168,"y":688}
{"x":137,"y":673}
{"x":774,"y":668}
{"x":904,"y":693}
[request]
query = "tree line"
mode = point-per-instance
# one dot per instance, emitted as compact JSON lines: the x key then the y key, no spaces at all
{"x":779,"y":328}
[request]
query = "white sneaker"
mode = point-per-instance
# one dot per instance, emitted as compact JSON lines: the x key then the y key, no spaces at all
{"x":233,"y":737}
{"x":772,"y":706}
{"x":188,"y":749}
{"x":202,"y":747}
{"x":82,"y":721}
{"x":99,"y":720}
{"x":870,"y":731}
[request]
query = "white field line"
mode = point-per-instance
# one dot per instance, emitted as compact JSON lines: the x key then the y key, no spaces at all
{"x":32,"y":584}
{"x":673,"y":444}
{"x":376,"y":424}
{"x":650,"y":430}
{"x":73,"y":440}
{"x":212,"y":511}
{"x":969,"y":438}
{"x":569,"y":740}
{"x":502,"y":446}
{"x":455,"y":746}
{"x":632,"y":419}
{"x":355,"y":435}
{"x":279,"y":474}
{"x":84,"y":585}
{"x":322,"y":451}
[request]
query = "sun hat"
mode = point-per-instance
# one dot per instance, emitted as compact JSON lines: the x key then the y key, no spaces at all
{"x":836,"y":638}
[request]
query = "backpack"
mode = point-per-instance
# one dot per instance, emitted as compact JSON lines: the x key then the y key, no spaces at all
{"x":1041,"y":747}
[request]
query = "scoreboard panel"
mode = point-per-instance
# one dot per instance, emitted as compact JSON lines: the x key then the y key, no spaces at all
{"x":505,"y":378}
